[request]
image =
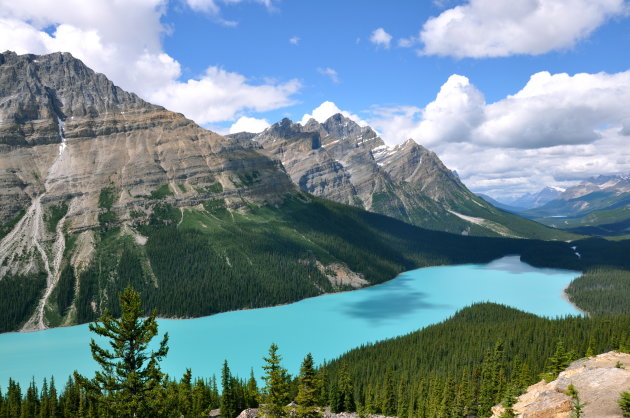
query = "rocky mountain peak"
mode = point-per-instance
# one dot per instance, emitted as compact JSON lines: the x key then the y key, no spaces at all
{"x":41,"y":92}
{"x":312,"y":125}
{"x":341,"y":127}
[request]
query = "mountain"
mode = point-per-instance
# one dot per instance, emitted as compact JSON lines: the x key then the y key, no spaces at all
{"x":498,"y":204}
{"x":342,"y":161}
{"x":79,"y":155}
{"x":101,"y":190}
{"x":535,"y":200}
{"x":597,"y":206}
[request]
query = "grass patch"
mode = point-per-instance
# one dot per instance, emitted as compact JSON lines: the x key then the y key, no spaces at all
{"x":212,"y":189}
{"x":7,"y":227}
{"x":55,"y":214}
{"x":161,"y":192}
{"x":106,"y":198}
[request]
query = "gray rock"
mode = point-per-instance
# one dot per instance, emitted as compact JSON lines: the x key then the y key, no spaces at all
{"x":347,"y":163}
{"x":66,"y":133}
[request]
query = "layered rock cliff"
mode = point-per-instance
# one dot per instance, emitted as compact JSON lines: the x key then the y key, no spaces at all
{"x":74,"y":147}
{"x":351,"y":164}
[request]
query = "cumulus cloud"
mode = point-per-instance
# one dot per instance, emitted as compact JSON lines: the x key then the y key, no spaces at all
{"x":247,"y":124}
{"x":219,"y":95}
{"x":325,"y":110}
{"x":329,"y":72}
{"x":294,"y":40}
{"x":381,"y":38}
{"x":558,"y":128}
{"x":489,"y":28}
{"x":550,"y":110}
{"x":122,"y":39}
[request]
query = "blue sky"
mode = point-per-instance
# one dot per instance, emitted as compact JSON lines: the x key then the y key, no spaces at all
{"x":336,"y":34}
{"x":515,"y":95}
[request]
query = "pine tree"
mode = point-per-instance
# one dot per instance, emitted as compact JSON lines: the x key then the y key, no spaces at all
{"x":202,"y":398}
{"x":323,"y":386}
{"x":30,"y":405}
{"x":589,"y":349}
{"x":577,"y":405}
{"x":624,"y":403}
{"x":346,"y":389}
{"x":307,"y":390}
{"x":228,"y":395}
{"x":252,"y":391}
{"x":130,"y":375}
{"x":185,"y":393}
{"x":53,"y":405}
{"x":276,"y":390}
{"x":557,"y":363}
{"x":389,"y":395}
{"x":492,"y":379}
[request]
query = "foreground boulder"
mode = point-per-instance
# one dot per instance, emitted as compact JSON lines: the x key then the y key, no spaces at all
{"x":599,"y":381}
{"x":326,"y":413}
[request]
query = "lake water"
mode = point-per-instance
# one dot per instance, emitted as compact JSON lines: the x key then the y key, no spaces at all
{"x":327,"y":326}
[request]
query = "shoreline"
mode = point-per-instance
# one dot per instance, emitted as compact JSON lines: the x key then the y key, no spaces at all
{"x":565,"y":296}
{"x":178,"y":318}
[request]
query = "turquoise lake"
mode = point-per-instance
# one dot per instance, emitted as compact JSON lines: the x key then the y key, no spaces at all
{"x":326,"y":326}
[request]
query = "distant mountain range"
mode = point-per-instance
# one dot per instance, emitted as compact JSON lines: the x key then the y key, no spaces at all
{"x":100,"y":189}
{"x":526,"y":201}
{"x":342,"y":161}
{"x":597,"y":206}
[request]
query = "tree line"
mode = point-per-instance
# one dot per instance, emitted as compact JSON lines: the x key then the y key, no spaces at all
{"x":484,"y":355}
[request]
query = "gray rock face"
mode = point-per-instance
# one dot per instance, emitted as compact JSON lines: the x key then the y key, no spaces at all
{"x":67,"y":133}
{"x":110,"y":137}
{"x":342,"y":161}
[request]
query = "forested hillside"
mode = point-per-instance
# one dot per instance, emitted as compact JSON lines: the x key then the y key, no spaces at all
{"x":483,"y":355}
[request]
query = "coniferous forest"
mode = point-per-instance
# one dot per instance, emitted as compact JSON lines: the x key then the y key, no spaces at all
{"x":201,"y":262}
{"x":483,"y":355}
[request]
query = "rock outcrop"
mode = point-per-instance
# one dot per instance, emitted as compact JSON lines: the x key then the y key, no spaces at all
{"x":599,"y":381}
{"x":326,"y":413}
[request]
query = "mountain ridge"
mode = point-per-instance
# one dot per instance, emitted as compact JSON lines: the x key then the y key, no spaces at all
{"x":342,"y":161}
{"x":101,"y":194}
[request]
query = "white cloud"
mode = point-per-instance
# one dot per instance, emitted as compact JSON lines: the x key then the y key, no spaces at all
{"x":327,"y":109}
{"x":214,"y":6}
{"x":381,"y":38}
{"x":294,"y":40}
{"x":329,"y":72}
{"x":458,"y":108}
{"x":550,"y":110}
{"x":122,"y":39}
{"x":246,"y":124}
{"x":220,"y":95}
{"x":490,"y":28}
{"x":407,"y":42}
{"x":557,"y":129}
{"x":557,"y":109}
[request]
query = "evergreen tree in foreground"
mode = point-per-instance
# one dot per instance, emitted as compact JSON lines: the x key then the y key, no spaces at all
{"x":276,"y":390}
{"x":307,"y":390}
{"x":577,"y":406}
{"x":624,"y":403}
{"x":130,"y":377}
{"x":228,"y":395}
